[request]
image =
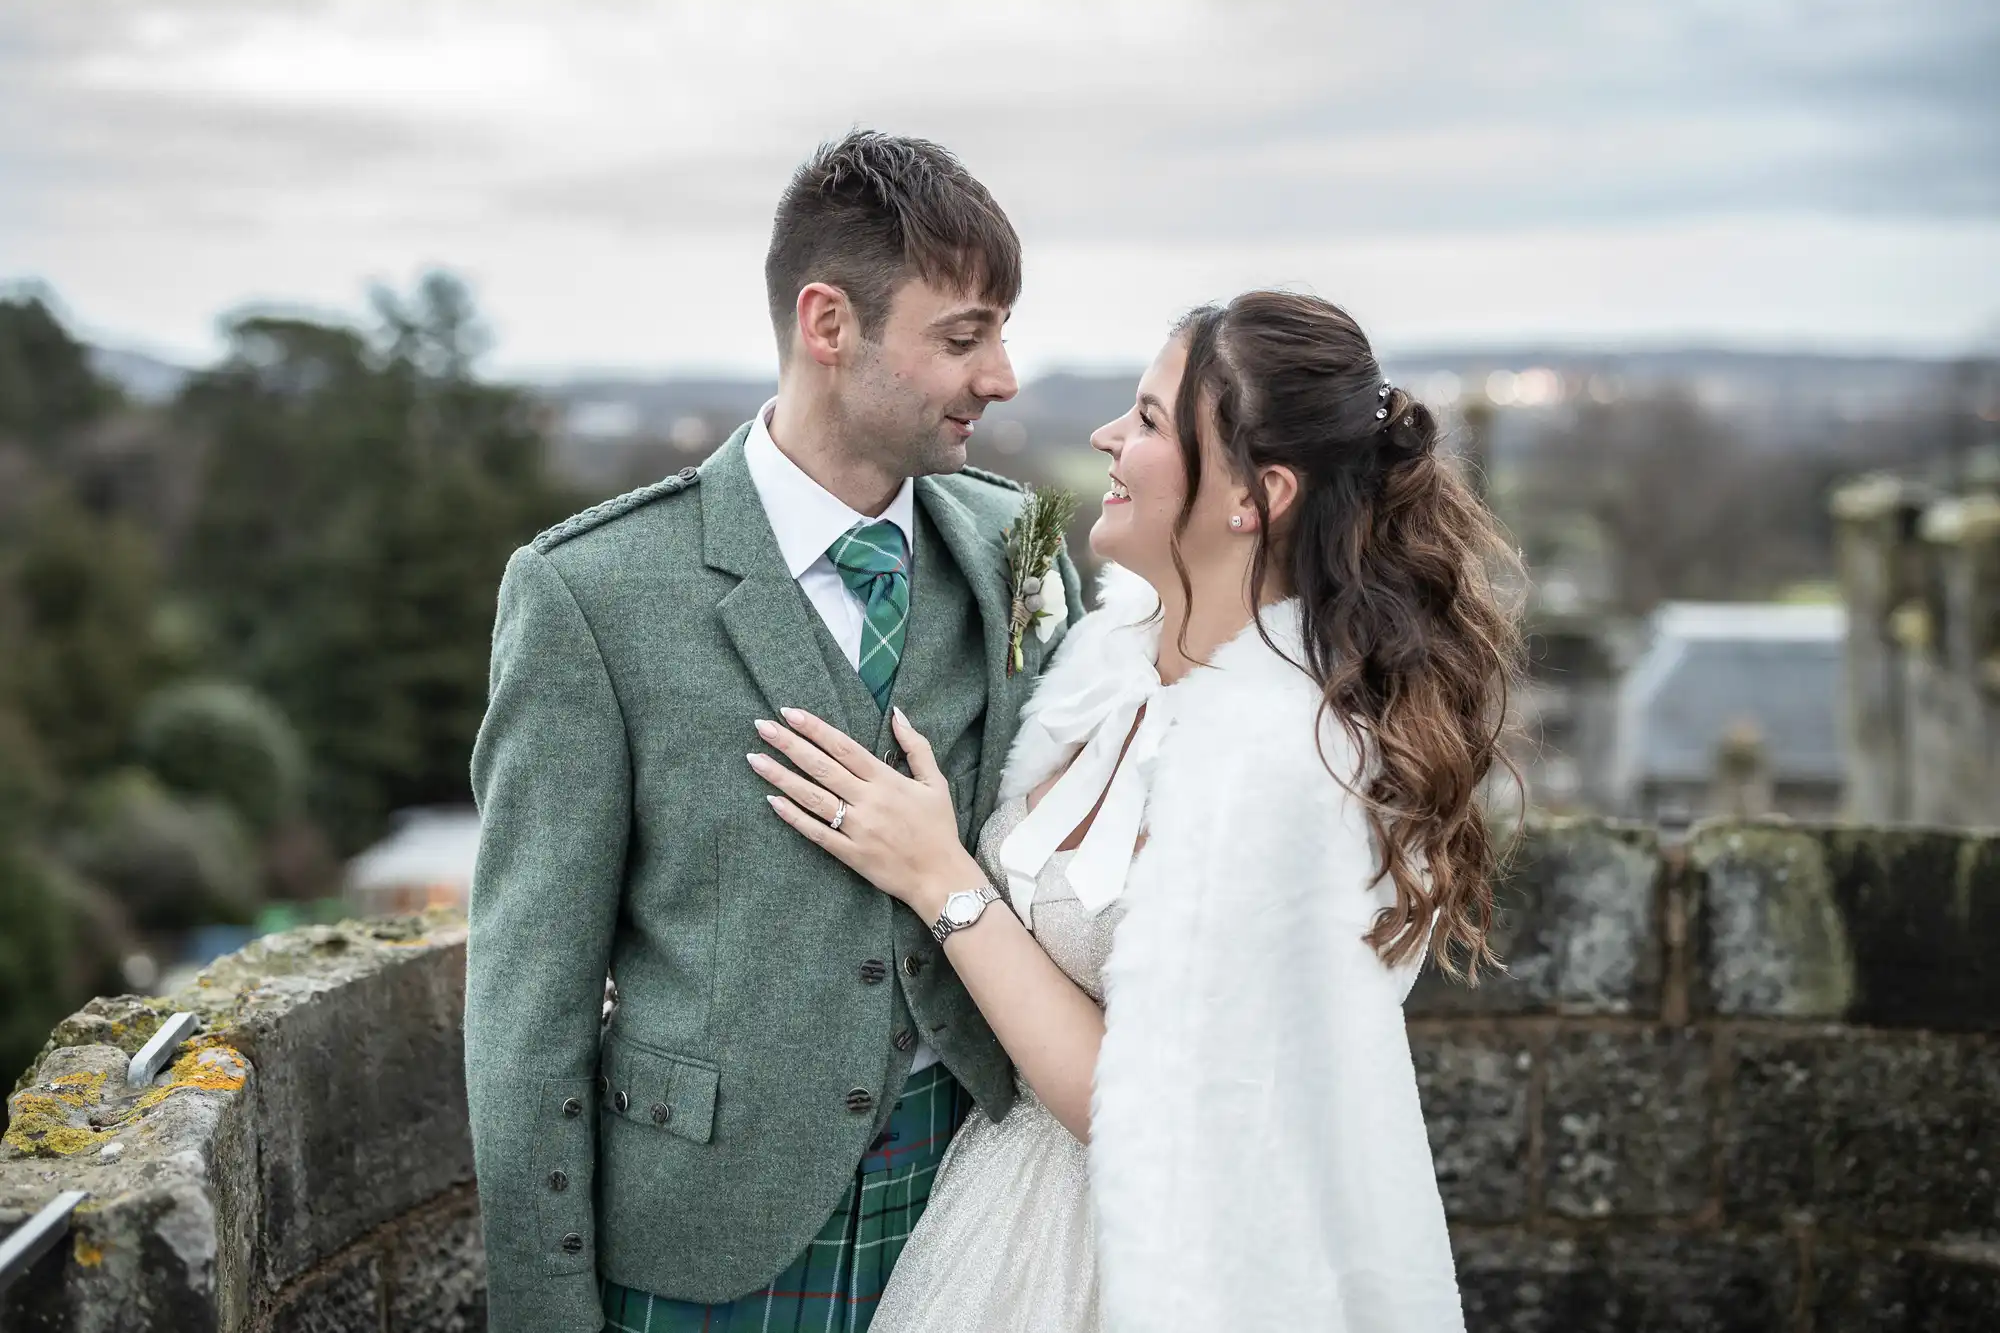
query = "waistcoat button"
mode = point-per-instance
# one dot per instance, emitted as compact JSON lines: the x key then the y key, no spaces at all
{"x":912,"y":964}
{"x":904,"y":1039}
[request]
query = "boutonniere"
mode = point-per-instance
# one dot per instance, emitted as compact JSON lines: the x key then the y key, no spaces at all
{"x":1037,"y":596}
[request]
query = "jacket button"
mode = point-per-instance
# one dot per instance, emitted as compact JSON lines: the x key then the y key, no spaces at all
{"x":688,"y":474}
{"x":558,"y":1181}
{"x":620,"y":1100}
{"x":662,"y":1113}
{"x":873,"y":971}
{"x":603,"y":1084}
{"x":572,"y":1242}
{"x":904,"y":1039}
{"x":912,"y":964}
{"x":572,"y":1107}
{"x":860,"y":1101}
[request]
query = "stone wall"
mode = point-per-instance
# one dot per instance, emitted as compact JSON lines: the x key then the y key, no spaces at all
{"x":304,"y":1165}
{"x":1749,"y":1082}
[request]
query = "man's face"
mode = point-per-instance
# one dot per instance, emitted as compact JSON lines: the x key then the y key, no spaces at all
{"x":909,"y":399}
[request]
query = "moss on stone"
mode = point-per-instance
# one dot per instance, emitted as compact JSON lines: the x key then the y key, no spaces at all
{"x":1778,"y":937}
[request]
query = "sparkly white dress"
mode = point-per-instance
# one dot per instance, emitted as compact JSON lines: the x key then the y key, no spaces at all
{"x":1007,"y":1244}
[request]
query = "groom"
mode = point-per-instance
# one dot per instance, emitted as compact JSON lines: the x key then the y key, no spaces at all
{"x":754,"y":1131}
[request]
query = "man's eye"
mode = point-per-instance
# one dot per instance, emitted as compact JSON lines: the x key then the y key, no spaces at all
{"x":963,"y":344}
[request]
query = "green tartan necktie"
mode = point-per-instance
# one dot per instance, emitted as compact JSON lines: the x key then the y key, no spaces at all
{"x":873,"y":561}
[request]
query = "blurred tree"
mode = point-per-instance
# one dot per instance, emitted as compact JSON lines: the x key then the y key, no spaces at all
{"x":359,"y":501}
{"x":77,"y":596}
{"x":46,"y":384}
{"x":223,"y":739}
{"x":172,"y":861}
{"x":1690,"y":510}
{"x":35,"y":948}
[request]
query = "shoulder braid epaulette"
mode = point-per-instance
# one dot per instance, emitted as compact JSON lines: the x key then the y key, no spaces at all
{"x":599,"y":514}
{"x":994,"y":477}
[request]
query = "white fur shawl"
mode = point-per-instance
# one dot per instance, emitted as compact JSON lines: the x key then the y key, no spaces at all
{"x":1258,"y":1154}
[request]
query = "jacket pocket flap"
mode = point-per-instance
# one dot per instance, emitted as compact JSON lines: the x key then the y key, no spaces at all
{"x":669,"y":1092}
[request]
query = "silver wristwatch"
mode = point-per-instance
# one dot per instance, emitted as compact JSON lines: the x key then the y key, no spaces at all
{"x":963,"y":909}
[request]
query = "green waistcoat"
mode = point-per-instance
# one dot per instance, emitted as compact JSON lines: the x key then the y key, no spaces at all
{"x":767,"y":996}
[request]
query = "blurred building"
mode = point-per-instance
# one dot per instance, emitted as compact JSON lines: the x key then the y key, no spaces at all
{"x":1920,"y":569}
{"x":1577,"y":648}
{"x":426,"y":861}
{"x":1732,"y":708}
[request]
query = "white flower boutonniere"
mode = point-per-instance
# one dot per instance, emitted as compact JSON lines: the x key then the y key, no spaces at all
{"x":1038,"y":598}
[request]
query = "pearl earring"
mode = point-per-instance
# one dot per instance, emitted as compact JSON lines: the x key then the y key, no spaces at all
{"x":1236,"y":521}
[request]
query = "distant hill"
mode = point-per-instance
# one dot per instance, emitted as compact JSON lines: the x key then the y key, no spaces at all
{"x":1781,"y":400}
{"x":144,"y":377}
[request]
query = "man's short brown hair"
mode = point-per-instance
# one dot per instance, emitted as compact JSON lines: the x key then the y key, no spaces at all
{"x":870,"y":210}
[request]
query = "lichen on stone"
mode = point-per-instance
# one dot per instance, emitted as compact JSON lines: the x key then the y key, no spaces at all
{"x":208,"y":1062}
{"x":74,"y":1110}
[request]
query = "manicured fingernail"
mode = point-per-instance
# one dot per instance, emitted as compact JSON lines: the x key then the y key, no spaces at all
{"x":756,"y":760}
{"x":792,"y":715}
{"x":773,"y":800}
{"x":766,"y":728}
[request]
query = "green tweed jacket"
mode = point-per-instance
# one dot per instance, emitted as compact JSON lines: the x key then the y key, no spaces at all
{"x":769,"y":1000}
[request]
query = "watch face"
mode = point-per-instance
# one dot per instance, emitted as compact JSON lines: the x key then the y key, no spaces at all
{"x":961,"y":908}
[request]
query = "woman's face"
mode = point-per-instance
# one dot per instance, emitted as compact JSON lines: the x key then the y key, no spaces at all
{"x":1149,"y":483}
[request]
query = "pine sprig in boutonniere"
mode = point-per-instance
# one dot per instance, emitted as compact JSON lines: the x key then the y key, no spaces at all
{"x":1032,"y":572}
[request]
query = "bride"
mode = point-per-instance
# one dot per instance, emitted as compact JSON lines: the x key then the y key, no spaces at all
{"x":1240,"y":813}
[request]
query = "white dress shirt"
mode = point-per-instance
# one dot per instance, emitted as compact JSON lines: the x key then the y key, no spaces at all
{"x":807,"y":518}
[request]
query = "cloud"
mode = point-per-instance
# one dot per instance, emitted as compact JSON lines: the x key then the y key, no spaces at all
{"x":322,"y":141}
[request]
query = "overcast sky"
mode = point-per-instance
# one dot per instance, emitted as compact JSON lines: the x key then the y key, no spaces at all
{"x":1752,"y":172}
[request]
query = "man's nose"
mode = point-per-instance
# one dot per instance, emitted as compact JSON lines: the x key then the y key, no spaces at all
{"x":996,"y":383}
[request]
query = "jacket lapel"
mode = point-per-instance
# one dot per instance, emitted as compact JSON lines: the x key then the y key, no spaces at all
{"x":981,"y":560}
{"x":767,"y":618}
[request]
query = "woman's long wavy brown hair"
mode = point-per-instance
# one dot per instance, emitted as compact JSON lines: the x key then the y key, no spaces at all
{"x":1397,"y":567}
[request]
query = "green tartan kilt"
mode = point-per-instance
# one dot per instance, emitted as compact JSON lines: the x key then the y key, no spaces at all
{"x":834,"y":1286}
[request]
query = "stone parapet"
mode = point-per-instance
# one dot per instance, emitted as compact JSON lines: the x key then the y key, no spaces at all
{"x":1770,"y":1106}
{"x":307,"y":1152}
{"x":1744,"y":1082}
{"x":1894,"y":928}
{"x":1577,"y":917}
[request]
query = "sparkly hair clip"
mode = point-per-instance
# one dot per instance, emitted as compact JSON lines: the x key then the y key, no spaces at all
{"x":1382,"y":394}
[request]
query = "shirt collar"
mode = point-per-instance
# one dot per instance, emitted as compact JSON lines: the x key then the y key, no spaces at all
{"x":805,"y":516}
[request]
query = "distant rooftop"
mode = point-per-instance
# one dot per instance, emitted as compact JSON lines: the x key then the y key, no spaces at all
{"x":427,"y":857}
{"x":1710,"y":665}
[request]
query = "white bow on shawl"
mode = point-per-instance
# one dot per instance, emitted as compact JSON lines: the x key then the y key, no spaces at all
{"x":1096,"y":712}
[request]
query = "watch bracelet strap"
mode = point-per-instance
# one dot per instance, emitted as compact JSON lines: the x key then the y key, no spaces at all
{"x":940,"y":928}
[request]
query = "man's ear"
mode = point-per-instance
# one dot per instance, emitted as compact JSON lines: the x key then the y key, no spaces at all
{"x":1281,"y":490}
{"x":825,"y":322}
